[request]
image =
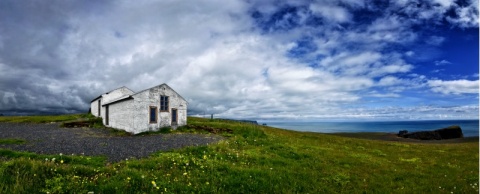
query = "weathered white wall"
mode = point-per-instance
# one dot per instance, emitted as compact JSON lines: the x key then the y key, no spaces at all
{"x":182,"y":114}
{"x":151,"y":97}
{"x":134,"y":115}
{"x":120,"y":115}
{"x":94,"y":107}
{"x":116,"y":94}
{"x":109,"y":97}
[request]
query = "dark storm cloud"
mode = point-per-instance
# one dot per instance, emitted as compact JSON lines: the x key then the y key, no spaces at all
{"x":36,"y":78}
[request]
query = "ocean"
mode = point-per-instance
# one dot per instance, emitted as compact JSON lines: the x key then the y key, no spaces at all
{"x":469,"y":127}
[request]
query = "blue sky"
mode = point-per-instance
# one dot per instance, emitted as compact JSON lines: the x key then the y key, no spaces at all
{"x":289,"y":60}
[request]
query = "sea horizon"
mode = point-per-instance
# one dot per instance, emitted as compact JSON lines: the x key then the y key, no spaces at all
{"x":470,"y":127}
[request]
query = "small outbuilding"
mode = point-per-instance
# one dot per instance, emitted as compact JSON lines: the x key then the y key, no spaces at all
{"x":147,"y":110}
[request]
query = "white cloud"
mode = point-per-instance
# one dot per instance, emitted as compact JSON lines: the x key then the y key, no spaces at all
{"x":454,"y":86}
{"x":382,"y":32}
{"x":221,"y":58}
{"x":435,"y":40}
{"x":409,"y":53}
{"x":442,"y":62}
{"x":445,"y":3}
{"x":351,"y":63}
{"x":331,"y":12}
{"x":386,"y":24}
{"x":391,"y":69}
{"x":383,"y":95}
{"x":389,"y":81}
{"x":466,"y":16}
{"x":422,"y":112}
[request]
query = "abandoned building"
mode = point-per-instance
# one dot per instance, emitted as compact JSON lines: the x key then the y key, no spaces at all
{"x":147,"y":110}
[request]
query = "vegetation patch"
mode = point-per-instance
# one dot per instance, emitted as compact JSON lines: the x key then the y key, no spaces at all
{"x":256,"y":159}
{"x":12,"y":141}
{"x":96,"y":161}
{"x":89,"y":121}
{"x":209,"y":129}
{"x":412,"y":160}
{"x":44,"y":118}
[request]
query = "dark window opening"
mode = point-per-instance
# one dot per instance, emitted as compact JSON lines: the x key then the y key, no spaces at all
{"x":106,"y":116}
{"x":174,"y":116}
{"x":164,"y":103}
{"x":99,"y":108}
{"x":153,"y":114}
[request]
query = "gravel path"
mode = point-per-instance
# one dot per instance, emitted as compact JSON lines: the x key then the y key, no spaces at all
{"x":51,"y":139}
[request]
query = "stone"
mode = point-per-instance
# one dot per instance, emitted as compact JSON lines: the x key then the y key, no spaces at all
{"x":439,"y":134}
{"x":450,"y":132}
{"x":402,"y":132}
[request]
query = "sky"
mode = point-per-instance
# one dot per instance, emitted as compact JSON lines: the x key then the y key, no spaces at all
{"x":248,"y":59}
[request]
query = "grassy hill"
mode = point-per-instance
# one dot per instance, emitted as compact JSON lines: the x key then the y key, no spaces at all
{"x":253,"y":159}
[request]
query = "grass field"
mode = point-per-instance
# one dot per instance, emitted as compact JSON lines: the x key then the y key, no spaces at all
{"x":44,"y":119}
{"x":254,"y":159}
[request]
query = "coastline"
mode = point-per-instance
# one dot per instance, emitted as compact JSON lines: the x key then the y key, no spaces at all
{"x":469,"y":127}
{"x":390,"y":137}
{"x":394,"y":138}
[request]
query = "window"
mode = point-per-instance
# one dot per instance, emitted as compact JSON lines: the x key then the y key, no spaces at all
{"x":164,"y":103}
{"x":153,"y":114}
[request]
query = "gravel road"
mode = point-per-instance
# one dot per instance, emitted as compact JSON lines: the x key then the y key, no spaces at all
{"x":51,"y":139}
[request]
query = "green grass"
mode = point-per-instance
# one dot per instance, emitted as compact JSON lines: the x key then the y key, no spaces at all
{"x":93,"y":121}
{"x":95,"y":161}
{"x":12,"y":141}
{"x":44,"y":118}
{"x":257,"y":159}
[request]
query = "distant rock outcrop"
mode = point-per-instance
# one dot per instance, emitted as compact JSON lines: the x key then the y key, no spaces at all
{"x":439,"y":134}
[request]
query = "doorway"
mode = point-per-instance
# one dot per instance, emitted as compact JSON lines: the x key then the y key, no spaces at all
{"x":99,"y":108}
{"x":174,"y":116}
{"x":106,"y":115}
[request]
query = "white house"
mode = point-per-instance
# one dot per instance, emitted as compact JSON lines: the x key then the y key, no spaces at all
{"x":147,"y":110}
